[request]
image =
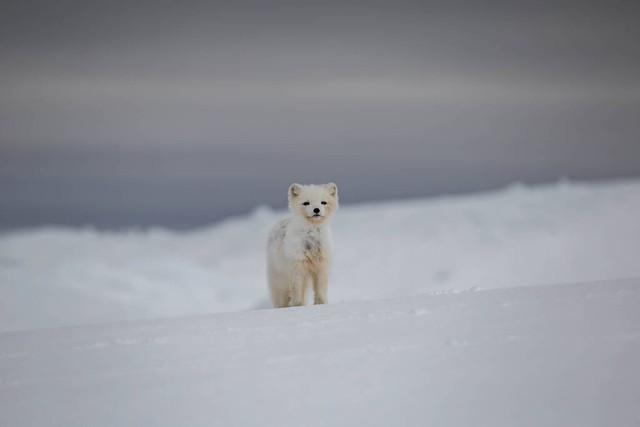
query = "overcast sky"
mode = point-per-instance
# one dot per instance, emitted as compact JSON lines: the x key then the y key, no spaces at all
{"x":180,"y":113}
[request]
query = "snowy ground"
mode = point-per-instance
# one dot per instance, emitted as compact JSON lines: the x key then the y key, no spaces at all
{"x":563,"y":355}
{"x":515,"y":237}
{"x":415,"y":334}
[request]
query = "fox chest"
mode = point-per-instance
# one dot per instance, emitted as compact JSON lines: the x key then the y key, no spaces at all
{"x":310,"y":248}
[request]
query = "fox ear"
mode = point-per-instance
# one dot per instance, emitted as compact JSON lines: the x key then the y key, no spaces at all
{"x":294,"y":190}
{"x":333,"y":188}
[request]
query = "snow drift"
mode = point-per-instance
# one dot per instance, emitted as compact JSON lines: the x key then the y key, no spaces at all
{"x":515,"y":237}
{"x":535,"y":356}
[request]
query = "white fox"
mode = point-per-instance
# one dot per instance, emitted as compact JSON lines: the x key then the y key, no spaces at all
{"x":300,"y":246}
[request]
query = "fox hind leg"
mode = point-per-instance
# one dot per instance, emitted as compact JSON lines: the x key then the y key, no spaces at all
{"x":279,"y":297}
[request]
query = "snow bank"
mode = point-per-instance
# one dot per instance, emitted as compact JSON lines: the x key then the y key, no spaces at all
{"x":535,"y":356}
{"x":518,"y":236}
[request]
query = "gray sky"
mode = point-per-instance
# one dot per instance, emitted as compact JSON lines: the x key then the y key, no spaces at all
{"x":180,"y":113}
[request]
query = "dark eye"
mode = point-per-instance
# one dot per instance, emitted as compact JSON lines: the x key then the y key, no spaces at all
{"x":306,"y":203}
{"x":324,"y":203}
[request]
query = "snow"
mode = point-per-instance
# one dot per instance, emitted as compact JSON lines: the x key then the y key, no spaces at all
{"x":438,"y":316}
{"x":519,"y":236}
{"x":564,"y":355}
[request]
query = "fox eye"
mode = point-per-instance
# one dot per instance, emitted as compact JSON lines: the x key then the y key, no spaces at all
{"x":323,"y":203}
{"x":306,"y":203}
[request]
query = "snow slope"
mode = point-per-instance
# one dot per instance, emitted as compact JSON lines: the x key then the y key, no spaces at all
{"x":515,"y":237}
{"x":562,"y":355}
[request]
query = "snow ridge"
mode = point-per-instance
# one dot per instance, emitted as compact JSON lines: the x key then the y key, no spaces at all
{"x":520,"y":236}
{"x":548,"y":355}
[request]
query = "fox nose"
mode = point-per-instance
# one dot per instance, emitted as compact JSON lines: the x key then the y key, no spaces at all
{"x":316,"y":210}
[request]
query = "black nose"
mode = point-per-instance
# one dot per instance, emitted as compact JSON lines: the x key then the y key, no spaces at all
{"x":316,"y":210}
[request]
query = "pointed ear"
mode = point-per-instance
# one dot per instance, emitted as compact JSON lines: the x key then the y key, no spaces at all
{"x":333,"y":189}
{"x":294,"y":190}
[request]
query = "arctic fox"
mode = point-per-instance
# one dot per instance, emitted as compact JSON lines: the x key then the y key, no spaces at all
{"x":299,"y":247}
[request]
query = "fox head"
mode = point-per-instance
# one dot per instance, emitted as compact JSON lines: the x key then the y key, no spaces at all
{"x":314,"y":203}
